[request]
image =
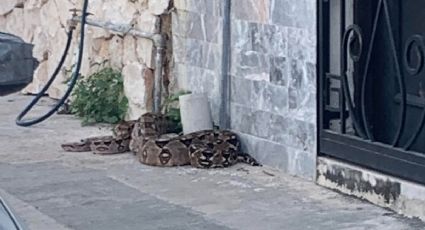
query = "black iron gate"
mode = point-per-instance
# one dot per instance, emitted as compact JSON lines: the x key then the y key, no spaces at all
{"x":372,"y":84}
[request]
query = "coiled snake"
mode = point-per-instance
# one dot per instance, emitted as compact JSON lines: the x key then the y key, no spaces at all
{"x":147,"y":138}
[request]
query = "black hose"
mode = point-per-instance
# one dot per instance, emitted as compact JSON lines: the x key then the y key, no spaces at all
{"x":72,"y":82}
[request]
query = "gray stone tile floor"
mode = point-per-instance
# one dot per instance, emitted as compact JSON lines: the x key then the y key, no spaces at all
{"x":51,"y":189}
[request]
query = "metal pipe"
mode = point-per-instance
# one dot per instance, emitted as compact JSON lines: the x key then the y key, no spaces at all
{"x":157,"y":92}
{"x":158,"y":43}
{"x":224,"y":112}
{"x":120,"y":28}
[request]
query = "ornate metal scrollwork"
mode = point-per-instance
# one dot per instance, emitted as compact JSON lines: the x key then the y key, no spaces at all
{"x":416,"y":41}
{"x":412,"y":60}
{"x":362,"y":125}
{"x":354,"y":32}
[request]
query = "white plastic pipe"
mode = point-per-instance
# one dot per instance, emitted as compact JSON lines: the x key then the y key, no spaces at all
{"x":195,"y":113}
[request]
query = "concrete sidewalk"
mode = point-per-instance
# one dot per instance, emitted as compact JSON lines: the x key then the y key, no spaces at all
{"x":52,"y":189}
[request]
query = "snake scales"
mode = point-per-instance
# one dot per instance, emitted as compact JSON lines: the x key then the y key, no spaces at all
{"x":148,"y":139}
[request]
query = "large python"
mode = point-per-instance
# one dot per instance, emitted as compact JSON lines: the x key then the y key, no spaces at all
{"x":148,"y":139}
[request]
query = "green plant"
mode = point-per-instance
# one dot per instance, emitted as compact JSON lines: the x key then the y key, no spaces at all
{"x":100,"y":98}
{"x":172,"y":111}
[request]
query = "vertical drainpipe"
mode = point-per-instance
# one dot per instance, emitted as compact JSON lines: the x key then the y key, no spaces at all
{"x":224,"y":88}
{"x":159,"y":56}
{"x":160,"y":46}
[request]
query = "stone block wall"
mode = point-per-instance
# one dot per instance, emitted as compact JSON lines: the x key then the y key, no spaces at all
{"x":273,"y":73}
{"x":43,"y":23}
{"x":197,"y":38}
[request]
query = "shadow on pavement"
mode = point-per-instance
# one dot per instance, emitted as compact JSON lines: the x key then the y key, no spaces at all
{"x":9,"y":89}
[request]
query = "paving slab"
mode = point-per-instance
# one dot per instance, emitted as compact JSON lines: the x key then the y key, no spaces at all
{"x":53,"y":189}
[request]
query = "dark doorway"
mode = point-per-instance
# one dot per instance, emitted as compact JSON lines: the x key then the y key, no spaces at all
{"x":372,"y":84}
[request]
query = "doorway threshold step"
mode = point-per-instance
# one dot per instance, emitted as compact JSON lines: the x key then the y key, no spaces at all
{"x":404,"y":197}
